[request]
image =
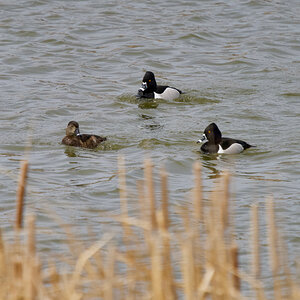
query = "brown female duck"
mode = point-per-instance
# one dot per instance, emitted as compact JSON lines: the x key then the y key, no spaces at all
{"x":74,"y":138}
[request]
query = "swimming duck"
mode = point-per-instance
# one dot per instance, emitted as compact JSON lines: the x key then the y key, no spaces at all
{"x":74,"y":138}
{"x":218,"y":144}
{"x":150,"y":89}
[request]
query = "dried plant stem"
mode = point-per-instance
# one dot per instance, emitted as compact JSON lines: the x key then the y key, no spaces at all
{"x":141,"y":197}
{"x":31,"y":236}
{"x":33,"y":267}
{"x":157,"y":279}
{"x":285,"y":263}
{"x":273,"y":243}
{"x":198,"y":197}
{"x":187,"y":250}
{"x":169,"y":292}
{"x":158,"y":257}
{"x":123,"y":197}
{"x":164,"y":199}
{"x":150,"y":192}
{"x":21,"y":194}
{"x":225,"y":200}
{"x":198,"y":210}
{"x":255,"y":243}
{"x":188,"y":269}
{"x":2,"y":252}
{"x":235,"y":266}
{"x":205,"y":283}
{"x":110,"y":275}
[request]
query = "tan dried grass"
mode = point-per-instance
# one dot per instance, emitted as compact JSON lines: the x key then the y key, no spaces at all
{"x":153,"y":261}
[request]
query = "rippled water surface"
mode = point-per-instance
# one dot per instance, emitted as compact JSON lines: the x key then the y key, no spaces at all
{"x":238,"y":63}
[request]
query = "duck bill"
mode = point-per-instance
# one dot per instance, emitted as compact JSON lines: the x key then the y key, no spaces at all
{"x":143,"y":87}
{"x":204,"y":138}
{"x":141,"y":90}
{"x":77,"y":133}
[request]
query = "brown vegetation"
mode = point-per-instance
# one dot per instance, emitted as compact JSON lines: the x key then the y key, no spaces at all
{"x":151,"y":260}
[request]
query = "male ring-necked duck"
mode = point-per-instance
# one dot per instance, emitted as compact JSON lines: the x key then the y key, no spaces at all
{"x":218,"y":144}
{"x":150,"y":89}
{"x":74,"y":138}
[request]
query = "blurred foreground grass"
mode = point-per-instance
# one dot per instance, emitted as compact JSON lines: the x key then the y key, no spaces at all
{"x":151,"y":261}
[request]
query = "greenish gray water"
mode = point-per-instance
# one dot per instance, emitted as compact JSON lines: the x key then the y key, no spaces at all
{"x":237,"y":61}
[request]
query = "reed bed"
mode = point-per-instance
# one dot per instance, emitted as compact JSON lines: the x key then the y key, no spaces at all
{"x":152,"y":260}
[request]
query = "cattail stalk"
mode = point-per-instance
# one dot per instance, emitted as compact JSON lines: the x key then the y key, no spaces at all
{"x":164,"y":199}
{"x":169,"y":292}
{"x":198,"y":209}
{"x":21,"y":195}
{"x":157,"y":280}
{"x":225,"y":200}
{"x":188,"y":258}
{"x":123,"y":197}
{"x":235,"y":266}
{"x":31,"y":236}
{"x":273,"y":243}
{"x":150,"y":192}
{"x":255,"y":243}
{"x":32,"y":269}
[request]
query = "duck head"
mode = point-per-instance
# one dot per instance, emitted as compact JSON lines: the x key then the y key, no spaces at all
{"x":72,"y":129}
{"x":211,"y":133}
{"x":148,"y":84}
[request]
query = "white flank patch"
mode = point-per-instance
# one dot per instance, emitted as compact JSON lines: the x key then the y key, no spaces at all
{"x":168,"y":94}
{"x":233,"y":149}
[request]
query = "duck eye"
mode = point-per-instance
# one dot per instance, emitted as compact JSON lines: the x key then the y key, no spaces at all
{"x":149,"y":80}
{"x":208,"y":131}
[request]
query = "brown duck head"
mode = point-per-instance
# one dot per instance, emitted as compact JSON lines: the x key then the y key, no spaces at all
{"x":72,"y":129}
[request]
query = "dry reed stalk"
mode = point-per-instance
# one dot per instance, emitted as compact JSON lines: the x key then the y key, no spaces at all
{"x":151,"y":275}
{"x":139,"y":271}
{"x":110,"y":274}
{"x":1,"y":242}
{"x":204,"y":287}
{"x":2,"y":252}
{"x":235,"y":266}
{"x":209,"y":245}
{"x":198,"y":197}
{"x":144,"y":212}
{"x":188,"y":263}
{"x":283,"y":258}
{"x":198,"y":209}
{"x":32,"y":266}
{"x":52,"y":279}
{"x":150,"y":192}
{"x":219,"y":257}
{"x":273,"y":243}
{"x":144,"y":223}
{"x":164,"y":199}
{"x":223,"y":280}
{"x":255,"y":243}
{"x":188,"y":268}
{"x":141,"y":198}
{"x":225,"y":200}
{"x":31,"y":236}
{"x":157,"y":279}
{"x":83,"y":260}
{"x":123,"y":197}
{"x":256,"y":252}
{"x":164,"y":226}
{"x":21,"y":194}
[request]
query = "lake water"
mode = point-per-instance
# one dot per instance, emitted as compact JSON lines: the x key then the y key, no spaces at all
{"x":238,"y":63}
